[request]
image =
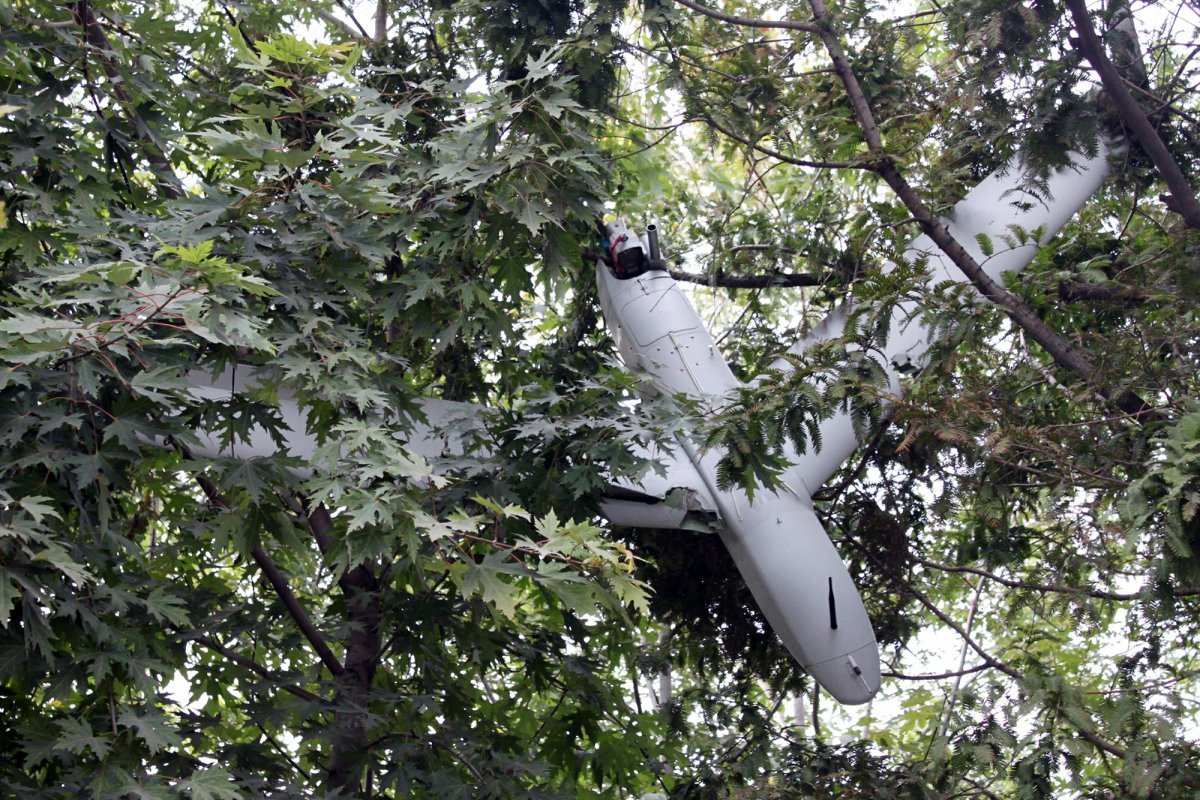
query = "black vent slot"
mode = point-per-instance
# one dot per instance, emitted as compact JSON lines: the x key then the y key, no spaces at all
{"x":832,"y":607}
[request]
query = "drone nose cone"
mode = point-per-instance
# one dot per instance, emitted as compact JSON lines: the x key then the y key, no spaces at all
{"x":852,"y":678}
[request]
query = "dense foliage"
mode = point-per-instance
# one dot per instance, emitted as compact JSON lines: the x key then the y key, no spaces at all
{"x":370,"y":205}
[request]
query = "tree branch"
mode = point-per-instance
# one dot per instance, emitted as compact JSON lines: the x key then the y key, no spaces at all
{"x":381,"y":20}
{"x":748,"y":22}
{"x":297,"y":612}
{"x":985,"y":791}
{"x":799,"y":162}
{"x":1133,"y":116}
{"x":1059,"y":349}
{"x":1162,"y":103}
{"x":938,"y":676}
{"x":350,"y":13}
{"x":760,"y":248}
{"x":282,"y":589}
{"x":988,"y":659}
{"x":339,"y":23}
{"x":256,"y":668}
{"x":1012,"y":583}
{"x":1099,"y":742}
{"x":770,"y":280}
{"x":95,"y":38}
{"x":841,"y":66}
{"x":1102,"y":292}
{"x":284,"y":753}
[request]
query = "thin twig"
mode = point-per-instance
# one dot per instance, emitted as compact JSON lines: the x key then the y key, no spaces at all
{"x":749,"y":22}
{"x":940,"y":676}
{"x":256,"y":668}
{"x":799,"y":162}
{"x":1012,"y":583}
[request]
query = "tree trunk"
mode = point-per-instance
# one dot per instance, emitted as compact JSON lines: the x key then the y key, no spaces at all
{"x":352,"y":695}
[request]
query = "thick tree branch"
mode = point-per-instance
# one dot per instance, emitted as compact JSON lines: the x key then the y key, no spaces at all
{"x":303,"y":622}
{"x":1059,"y":349}
{"x":97,"y":41}
{"x":364,"y":648}
{"x":337,"y":22}
{"x":319,"y":524}
{"x":279,"y":583}
{"x":1133,"y":117}
{"x":841,"y":66}
{"x":381,"y":20}
{"x":1100,"y":742}
{"x":256,"y":668}
{"x":748,"y":22}
{"x":364,"y":651}
{"x":770,"y":280}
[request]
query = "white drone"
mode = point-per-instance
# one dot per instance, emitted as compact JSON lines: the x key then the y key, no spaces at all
{"x":776,"y":540}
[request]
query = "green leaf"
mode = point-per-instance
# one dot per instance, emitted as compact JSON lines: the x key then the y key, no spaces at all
{"x":167,"y":607}
{"x":155,"y":384}
{"x":152,"y":727}
{"x":9,"y":591}
{"x":484,"y":579}
{"x":540,"y":66}
{"x":76,"y":737}
{"x":38,"y":507}
{"x":366,"y":511}
{"x":57,"y":557}
{"x":210,"y":783}
{"x":985,"y":244}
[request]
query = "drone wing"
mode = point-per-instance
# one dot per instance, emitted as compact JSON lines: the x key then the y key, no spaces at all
{"x":673,"y":497}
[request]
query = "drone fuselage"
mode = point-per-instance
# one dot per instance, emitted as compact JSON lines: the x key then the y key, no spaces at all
{"x":780,"y":547}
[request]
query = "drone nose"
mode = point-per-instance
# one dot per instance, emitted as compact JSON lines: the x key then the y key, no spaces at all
{"x":852,"y":678}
